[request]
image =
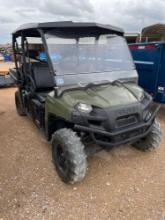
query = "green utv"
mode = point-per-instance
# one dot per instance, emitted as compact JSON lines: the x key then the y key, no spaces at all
{"x":78,"y":83}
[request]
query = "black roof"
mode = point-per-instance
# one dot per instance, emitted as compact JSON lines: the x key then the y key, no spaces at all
{"x":31,"y":29}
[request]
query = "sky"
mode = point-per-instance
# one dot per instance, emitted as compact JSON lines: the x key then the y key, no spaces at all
{"x":131,"y":15}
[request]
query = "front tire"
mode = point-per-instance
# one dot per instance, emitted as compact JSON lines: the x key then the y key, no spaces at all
{"x":69,"y":156}
{"x":152,"y":140}
{"x":18,"y":104}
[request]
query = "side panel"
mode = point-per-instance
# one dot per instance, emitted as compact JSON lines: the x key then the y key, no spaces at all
{"x":57,"y":106}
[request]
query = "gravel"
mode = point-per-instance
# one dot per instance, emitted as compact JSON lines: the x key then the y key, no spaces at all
{"x":121,"y":184}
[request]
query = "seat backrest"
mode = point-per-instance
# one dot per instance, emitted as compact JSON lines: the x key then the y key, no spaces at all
{"x":42,"y":77}
{"x":32,"y":53}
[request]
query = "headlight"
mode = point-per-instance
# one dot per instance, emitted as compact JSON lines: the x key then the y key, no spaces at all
{"x":85,"y":108}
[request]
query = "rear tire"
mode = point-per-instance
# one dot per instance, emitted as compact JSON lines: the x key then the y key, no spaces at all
{"x":152,"y":140}
{"x":18,"y":104}
{"x":69,"y":156}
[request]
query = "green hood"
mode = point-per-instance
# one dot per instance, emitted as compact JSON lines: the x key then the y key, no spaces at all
{"x":102,"y":96}
{"x":105,"y":96}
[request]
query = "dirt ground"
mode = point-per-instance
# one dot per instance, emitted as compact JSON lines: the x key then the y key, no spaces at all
{"x":121,"y":184}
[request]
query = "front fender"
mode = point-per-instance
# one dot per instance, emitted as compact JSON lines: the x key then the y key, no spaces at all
{"x":58,"y":108}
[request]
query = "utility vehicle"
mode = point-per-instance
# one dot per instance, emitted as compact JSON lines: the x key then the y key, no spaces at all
{"x":78,"y":83}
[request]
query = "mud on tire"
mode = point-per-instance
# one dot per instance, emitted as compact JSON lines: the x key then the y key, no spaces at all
{"x":69,"y":156}
{"x":152,"y":140}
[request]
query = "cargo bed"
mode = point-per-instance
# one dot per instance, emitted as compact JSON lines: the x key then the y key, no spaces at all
{"x":5,"y":79}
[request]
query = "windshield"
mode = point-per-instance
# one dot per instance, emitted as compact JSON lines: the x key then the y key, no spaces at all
{"x":93,"y":55}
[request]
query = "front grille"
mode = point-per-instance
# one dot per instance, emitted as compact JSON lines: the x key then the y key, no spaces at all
{"x":125,"y":121}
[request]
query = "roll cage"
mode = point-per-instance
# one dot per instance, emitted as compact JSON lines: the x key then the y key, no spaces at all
{"x":23,"y":54}
{"x":37,"y":30}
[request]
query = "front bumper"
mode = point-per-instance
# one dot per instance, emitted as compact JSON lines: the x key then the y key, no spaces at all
{"x":115,"y":137}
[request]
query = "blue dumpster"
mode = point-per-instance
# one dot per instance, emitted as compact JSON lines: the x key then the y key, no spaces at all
{"x":7,"y":58}
{"x":149,"y":59}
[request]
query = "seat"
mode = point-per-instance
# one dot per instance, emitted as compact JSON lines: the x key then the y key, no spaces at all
{"x":33,"y":54}
{"x":43,"y":80}
{"x":42,"y":77}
